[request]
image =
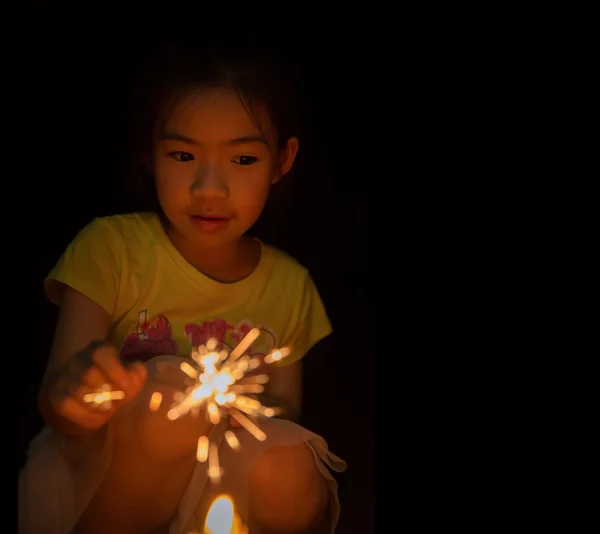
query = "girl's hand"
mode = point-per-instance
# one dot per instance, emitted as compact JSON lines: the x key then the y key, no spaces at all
{"x":92,"y":369}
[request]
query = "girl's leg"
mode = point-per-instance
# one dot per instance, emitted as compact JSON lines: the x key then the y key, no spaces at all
{"x":288,"y":494}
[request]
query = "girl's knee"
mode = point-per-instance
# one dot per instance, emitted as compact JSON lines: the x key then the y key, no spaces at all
{"x":288,"y":494}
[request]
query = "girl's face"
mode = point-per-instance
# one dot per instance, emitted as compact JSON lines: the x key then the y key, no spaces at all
{"x":214,"y":169}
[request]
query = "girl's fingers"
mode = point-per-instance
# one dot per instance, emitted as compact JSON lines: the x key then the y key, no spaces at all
{"x":96,"y":382}
{"x":94,"y":378}
{"x":138,"y":372}
{"x":137,"y":375}
{"x":107,"y":360}
{"x":70,"y":408}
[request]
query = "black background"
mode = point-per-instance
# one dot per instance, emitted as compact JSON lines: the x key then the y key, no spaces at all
{"x":75,"y":68}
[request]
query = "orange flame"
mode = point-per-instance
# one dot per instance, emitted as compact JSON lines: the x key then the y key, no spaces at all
{"x":222,"y":519}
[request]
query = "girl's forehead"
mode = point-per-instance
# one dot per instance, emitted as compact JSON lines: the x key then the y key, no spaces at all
{"x":215,"y":112}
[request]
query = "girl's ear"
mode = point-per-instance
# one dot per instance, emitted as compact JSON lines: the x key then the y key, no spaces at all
{"x":287,"y":156}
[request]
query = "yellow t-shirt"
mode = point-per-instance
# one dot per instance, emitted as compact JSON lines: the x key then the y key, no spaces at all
{"x":160,"y":304}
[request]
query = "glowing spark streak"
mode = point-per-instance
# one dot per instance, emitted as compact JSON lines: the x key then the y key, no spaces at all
{"x":244,"y":344}
{"x":103,"y":397}
{"x":202,"y":451}
{"x":269,"y":412}
{"x":277,"y":355}
{"x":248,"y":425}
{"x":189,"y":370}
{"x":155,"y":401}
{"x":254,"y":363}
{"x":253,"y":404}
{"x":214,"y":470}
{"x":213,"y":413}
{"x":232,"y":440}
{"x":258,"y":379}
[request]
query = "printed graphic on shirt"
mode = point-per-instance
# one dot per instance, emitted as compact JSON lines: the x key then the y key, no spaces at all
{"x":228,"y":336}
{"x":149,"y":340}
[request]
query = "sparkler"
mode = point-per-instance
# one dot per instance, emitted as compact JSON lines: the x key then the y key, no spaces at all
{"x":103,"y":397}
{"x":220,"y":383}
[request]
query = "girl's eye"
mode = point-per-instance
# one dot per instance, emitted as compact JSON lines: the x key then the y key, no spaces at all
{"x":181,"y":156}
{"x":245,"y":160}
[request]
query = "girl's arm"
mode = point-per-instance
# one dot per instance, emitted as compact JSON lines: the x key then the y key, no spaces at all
{"x":284,"y":389}
{"x":80,"y":322}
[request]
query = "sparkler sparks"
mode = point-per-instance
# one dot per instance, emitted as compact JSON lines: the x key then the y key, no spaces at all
{"x":103,"y":397}
{"x":220,"y":383}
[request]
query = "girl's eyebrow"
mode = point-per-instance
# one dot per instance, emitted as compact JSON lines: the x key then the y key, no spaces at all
{"x":245,"y":140}
{"x":174,"y":136}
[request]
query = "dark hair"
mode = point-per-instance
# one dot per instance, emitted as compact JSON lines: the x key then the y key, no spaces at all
{"x":261,"y":79}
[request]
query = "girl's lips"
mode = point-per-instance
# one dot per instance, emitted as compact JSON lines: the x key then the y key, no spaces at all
{"x":209,"y":223}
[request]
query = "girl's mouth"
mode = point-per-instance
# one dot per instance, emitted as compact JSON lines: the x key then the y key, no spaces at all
{"x":209,"y":223}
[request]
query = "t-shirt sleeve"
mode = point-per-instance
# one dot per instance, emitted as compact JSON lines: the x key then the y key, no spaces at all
{"x":314,"y":325}
{"x":92,"y":265}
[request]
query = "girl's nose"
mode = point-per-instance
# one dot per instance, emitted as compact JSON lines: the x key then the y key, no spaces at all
{"x":209,"y":181}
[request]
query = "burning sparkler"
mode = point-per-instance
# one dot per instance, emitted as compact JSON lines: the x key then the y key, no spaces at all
{"x":219,"y":383}
{"x":103,"y":397}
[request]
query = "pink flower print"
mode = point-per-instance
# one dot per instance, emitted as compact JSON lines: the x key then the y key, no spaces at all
{"x":159,"y":331}
{"x":149,"y":340}
{"x":199,"y":335}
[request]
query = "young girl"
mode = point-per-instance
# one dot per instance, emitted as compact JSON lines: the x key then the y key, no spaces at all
{"x":138,"y":292}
